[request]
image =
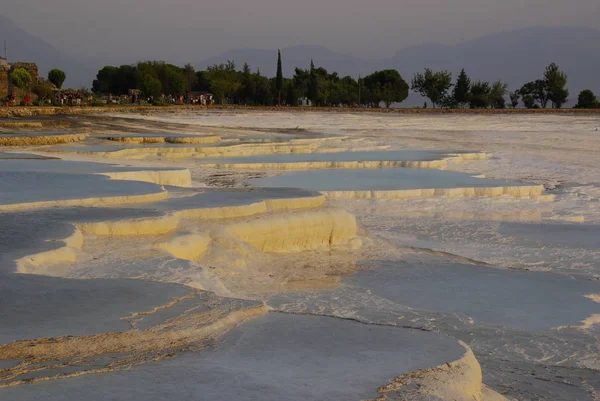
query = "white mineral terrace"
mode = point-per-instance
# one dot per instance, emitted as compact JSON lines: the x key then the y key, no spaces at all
{"x":294,"y":256}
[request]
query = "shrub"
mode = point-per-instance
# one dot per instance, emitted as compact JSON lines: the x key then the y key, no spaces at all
{"x":20,"y":78}
{"x":587,"y":100}
{"x":44,"y":90}
{"x":98,"y":103}
{"x":160,"y":102}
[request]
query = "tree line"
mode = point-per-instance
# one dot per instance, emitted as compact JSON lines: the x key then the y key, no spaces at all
{"x":314,"y":85}
{"x":439,"y":89}
{"x":318,"y":87}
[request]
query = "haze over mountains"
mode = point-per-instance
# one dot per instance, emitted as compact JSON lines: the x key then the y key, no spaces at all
{"x":513,"y":56}
{"x":22,"y":46}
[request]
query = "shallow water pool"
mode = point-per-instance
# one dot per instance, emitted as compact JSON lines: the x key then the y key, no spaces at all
{"x":375,"y":179}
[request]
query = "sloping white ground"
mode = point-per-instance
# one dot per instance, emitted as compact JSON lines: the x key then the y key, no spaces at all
{"x":248,"y":264}
{"x":189,"y":221}
{"x":399,"y":183}
{"x":349,"y":160}
{"x":536,"y":148}
{"x":204,"y":205}
{"x":559,"y":236}
{"x":249,"y":254}
{"x":163,"y":138}
{"x":506,"y":317}
{"x":234,"y":144}
{"x":120,"y":336}
{"x":274,"y":357}
{"x":23,"y":139}
{"x":35,"y":190}
{"x":61,"y":329}
{"x":161,"y":176}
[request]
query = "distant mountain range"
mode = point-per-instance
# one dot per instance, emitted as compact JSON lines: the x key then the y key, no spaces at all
{"x":22,"y":46}
{"x":514,"y":56}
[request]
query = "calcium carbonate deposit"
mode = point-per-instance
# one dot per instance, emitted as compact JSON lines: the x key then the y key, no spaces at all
{"x":300,"y":256}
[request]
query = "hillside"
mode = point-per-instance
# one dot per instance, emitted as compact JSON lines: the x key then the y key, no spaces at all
{"x":297,"y":56}
{"x":514,"y":56}
{"x":22,"y":46}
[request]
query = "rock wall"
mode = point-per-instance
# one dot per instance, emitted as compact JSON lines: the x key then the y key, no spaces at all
{"x":3,"y":81}
{"x":7,"y":87}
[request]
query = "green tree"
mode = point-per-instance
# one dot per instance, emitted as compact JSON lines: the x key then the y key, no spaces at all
{"x":540,"y":92}
{"x":587,"y":100}
{"x":150,"y":85}
{"x":224,"y":81}
{"x":432,"y":85}
{"x":480,"y":95}
{"x":348,"y":91}
{"x":555,"y":81}
{"x":529,"y":102}
{"x":57,"y":77}
{"x":116,"y":80}
{"x":172,"y":80}
{"x":189,"y":74}
{"x":127,"y":79}
{"x":497,"y":95}
{"x":514,"y":99}
{"x":536,"y":91}
{"x":313,"y":85}
{"x":20,"y":78}
{"x":202,"y":82}
{"x":301,"y":80}
{"x":105,"y":80}
{"x":247,"y":91}
{"x":264,"y":93}
{"x":279,"y":78}
{"x":291,"y":99}
{"x":325,"y":86}
{"x":386,"y":86}
{"x":462,"y":88}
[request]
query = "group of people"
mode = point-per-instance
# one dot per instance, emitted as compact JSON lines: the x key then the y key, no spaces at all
{"x":11,"y":100}
{"x":77,"y":98}
{"x":204,"y":99}
{"x":70,"y":98}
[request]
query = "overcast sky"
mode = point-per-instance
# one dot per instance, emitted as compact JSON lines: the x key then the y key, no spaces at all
{"x":198,"y":29}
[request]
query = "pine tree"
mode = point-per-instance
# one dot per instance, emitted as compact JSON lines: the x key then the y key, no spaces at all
{"x":462,"y":88}
{"x":556,"y":80}
{"x":279,"y":79}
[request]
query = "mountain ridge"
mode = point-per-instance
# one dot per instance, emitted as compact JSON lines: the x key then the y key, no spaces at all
{"x":515,"y":56}
{"x":23,"y":46}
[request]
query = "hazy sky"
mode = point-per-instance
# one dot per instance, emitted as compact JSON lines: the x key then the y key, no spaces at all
{"x":198,"y":29}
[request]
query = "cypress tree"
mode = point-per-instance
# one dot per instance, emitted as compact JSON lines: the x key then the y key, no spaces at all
{"x":462,"y":89}
{"x":313,"y":85}
{"x":279,"y":79}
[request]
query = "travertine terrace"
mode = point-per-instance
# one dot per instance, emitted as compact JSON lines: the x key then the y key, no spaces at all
{"x":345,"y":256}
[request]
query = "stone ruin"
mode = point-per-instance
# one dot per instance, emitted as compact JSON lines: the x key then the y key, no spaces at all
{"x":4,"y":69}
{"x":6,"y":86}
